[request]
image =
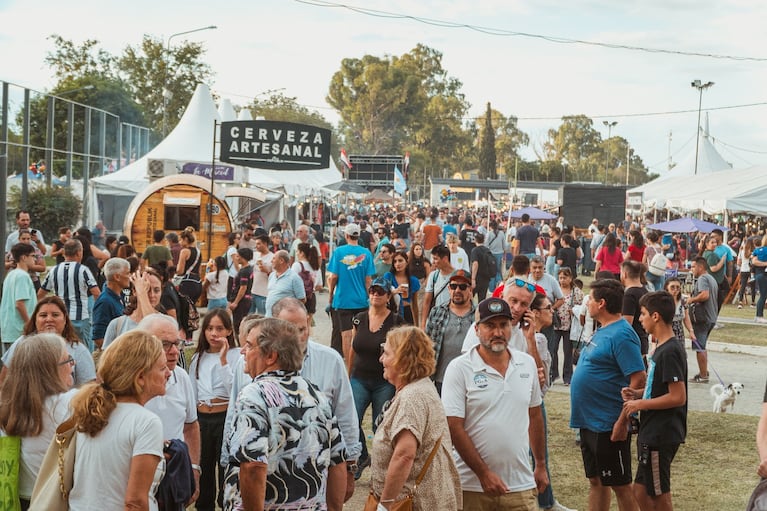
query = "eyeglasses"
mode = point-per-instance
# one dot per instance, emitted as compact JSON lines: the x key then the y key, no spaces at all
{"x":69,"y":361}
{"x":523,"y":283}
{"x":462,"y":286}
{"x":168,"y":345}
{"x":378,"y":291}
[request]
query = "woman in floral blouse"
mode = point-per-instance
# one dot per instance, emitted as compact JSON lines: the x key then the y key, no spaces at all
{"x":572,"y":297}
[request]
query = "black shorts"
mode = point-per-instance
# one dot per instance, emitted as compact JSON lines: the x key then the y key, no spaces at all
{"x":654,"y":468}
{"x":345,"y":317}
{"x":603,"y":458}
{"x":311,"y":304}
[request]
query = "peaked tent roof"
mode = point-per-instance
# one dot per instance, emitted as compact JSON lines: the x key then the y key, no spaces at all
{"x":709,"y":161}
{"x":191,"y":141}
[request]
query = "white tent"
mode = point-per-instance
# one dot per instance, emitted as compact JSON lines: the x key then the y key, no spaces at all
{"x":709,"y":161}
{"x":192,"y":141}
{"x":735,"y":190}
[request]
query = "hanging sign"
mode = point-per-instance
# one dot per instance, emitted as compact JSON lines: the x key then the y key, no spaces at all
{"x":275,"y":145}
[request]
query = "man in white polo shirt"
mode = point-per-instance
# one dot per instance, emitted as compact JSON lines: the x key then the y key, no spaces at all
{"x":492,"y":400}
{"x":177,"y":408}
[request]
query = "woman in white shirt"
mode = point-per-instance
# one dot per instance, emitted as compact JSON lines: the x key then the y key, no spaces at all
{"x":119,"y":460}
{"x":215,"y":283}
{"x":33,"y":407}
{"x":458,"y":258}
{"x":211,"y":375}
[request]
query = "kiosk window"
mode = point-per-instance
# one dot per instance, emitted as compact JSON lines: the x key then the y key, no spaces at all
{"x":178,"y":218}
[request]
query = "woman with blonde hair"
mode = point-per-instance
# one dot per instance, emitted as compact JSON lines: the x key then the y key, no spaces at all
{"x":34,"y":400}
{"x":119,"y":460}
{"x":412,"y":439}
{"x":188,"y":266}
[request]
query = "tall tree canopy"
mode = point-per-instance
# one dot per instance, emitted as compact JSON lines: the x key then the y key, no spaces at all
{"x":395,"y":104}
{"x":487,"y":160}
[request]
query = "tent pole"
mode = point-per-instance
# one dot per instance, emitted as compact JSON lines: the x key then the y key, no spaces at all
{"x":211,"y":197}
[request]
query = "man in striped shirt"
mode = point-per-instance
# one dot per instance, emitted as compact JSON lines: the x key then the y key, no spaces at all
{"x":73,"y":282}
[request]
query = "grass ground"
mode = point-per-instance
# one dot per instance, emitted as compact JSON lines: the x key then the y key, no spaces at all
{"x":715,"y":470}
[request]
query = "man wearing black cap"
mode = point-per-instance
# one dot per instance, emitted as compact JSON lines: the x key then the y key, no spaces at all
{"x":492,"y":400}
{"x":448,"y":323}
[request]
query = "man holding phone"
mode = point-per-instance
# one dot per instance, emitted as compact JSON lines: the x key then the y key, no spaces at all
{"x":22,"y":222}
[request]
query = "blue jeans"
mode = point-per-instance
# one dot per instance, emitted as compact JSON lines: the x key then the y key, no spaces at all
{"x":545,"y":499}
{"x":657,"y":281}
{"x":552,"y":268}
{"x":258,"y":304}
{"x":83,"y":330}
{"x":761,"y":282}
{"x":217,"y":303}
{"x":367,"y":392}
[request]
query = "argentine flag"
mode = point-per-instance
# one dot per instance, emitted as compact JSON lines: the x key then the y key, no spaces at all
{"x":399,"y":181}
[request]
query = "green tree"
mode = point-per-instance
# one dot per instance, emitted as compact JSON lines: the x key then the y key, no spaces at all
{"x":389,"y":105}
{"x":51,"y":208}
{"x":509,"y":139}
{"x":487,"y":147}
{"x":574,"y":142}
{"x":278,"y":107}
{"x":162,"y":80}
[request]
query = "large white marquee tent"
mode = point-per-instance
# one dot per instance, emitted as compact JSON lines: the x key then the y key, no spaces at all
{"x":191,"y":141}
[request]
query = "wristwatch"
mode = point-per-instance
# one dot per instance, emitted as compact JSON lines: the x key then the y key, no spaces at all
{"x":351,"y":466}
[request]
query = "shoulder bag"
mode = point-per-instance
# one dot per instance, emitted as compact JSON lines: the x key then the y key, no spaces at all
{"x":10,"y":454}
{"x":56,"y":476}
{"x":406,"y":504}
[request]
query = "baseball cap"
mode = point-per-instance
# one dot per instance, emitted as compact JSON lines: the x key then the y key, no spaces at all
{"x":352,"y":230}
{"x":382,"y":283}
{"x":461,"y":275}
{"x":492,"y":308}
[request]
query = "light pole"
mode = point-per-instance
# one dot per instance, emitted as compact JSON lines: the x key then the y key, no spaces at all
{"x":609,"y":135}
{"x":166,"y":93}
{"x":701,"y":87}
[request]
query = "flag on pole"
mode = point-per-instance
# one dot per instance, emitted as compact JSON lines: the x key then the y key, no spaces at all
{"x":345,"y":159}
{"x":399,"y":182}
{"x":406,"y":168}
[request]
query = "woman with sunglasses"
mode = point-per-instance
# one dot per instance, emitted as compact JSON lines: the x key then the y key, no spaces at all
{"x":365,"y":370}
{"x":34,"y":400}
{"x":50,"y":316}
{"x":405,"y":286}
{"x":681,"y":317}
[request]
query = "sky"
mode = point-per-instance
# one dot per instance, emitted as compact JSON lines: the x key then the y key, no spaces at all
{"x":263,"y":45}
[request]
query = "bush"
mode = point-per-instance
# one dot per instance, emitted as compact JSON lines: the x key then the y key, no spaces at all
{"x":49,"y":209}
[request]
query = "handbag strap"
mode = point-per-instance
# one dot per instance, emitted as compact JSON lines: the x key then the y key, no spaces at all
{"x":428,"y":462}
{"x":196,"y":259}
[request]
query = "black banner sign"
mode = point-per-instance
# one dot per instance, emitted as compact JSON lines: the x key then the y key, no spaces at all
{"x":275,"y":145}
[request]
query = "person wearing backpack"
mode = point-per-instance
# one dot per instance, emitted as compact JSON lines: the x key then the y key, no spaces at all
{"x":483,"y":267}
{"x":283,"y":282}
{"x":307,"y":266}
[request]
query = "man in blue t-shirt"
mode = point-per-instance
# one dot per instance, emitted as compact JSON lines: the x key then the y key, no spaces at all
{"x":350,"y":272}
{"x":610,"y":361}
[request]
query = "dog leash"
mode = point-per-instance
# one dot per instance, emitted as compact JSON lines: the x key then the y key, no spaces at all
{"x":695,"y":343}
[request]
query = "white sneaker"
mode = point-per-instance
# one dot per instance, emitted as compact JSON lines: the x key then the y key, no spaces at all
{"x":558,"y":507}
{"x":761,"y":320}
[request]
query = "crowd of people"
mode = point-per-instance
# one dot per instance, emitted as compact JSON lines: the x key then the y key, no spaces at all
{"x":449,"y":326}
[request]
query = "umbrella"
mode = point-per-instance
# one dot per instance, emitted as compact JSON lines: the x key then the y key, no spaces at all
{"x":346,"y":186}
{"x":686,"y":225}
{"x":378,"y":196}
{"x":535,"y":214}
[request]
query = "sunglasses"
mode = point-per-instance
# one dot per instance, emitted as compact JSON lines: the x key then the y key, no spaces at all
{"x":462,"y":286}
{"x":523,"y":283}
{"x":378,"y":291}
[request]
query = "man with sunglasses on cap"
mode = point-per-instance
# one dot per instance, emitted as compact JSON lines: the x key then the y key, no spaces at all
{"x":448,"y":323}
{"x":492,"y":399}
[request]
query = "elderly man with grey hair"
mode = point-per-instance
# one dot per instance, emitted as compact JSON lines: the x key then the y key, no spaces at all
{"x":109,"y":304}
{"x":177,"y":408}
{"x":321,"y":365}
{"x":283,"y":282}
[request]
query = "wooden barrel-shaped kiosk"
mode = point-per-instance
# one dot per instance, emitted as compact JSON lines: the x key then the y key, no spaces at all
{"x":175,"y":202}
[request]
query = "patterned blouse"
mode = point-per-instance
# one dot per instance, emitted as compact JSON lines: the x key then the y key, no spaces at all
{"x":285,"y":422}
{"x":565,"y":311}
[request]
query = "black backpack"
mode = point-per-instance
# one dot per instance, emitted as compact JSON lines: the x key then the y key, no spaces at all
{"x":188,"y":316}
{"x":488,"y":266}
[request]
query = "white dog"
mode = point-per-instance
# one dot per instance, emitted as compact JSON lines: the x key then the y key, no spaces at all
{"x":725,"y":396}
